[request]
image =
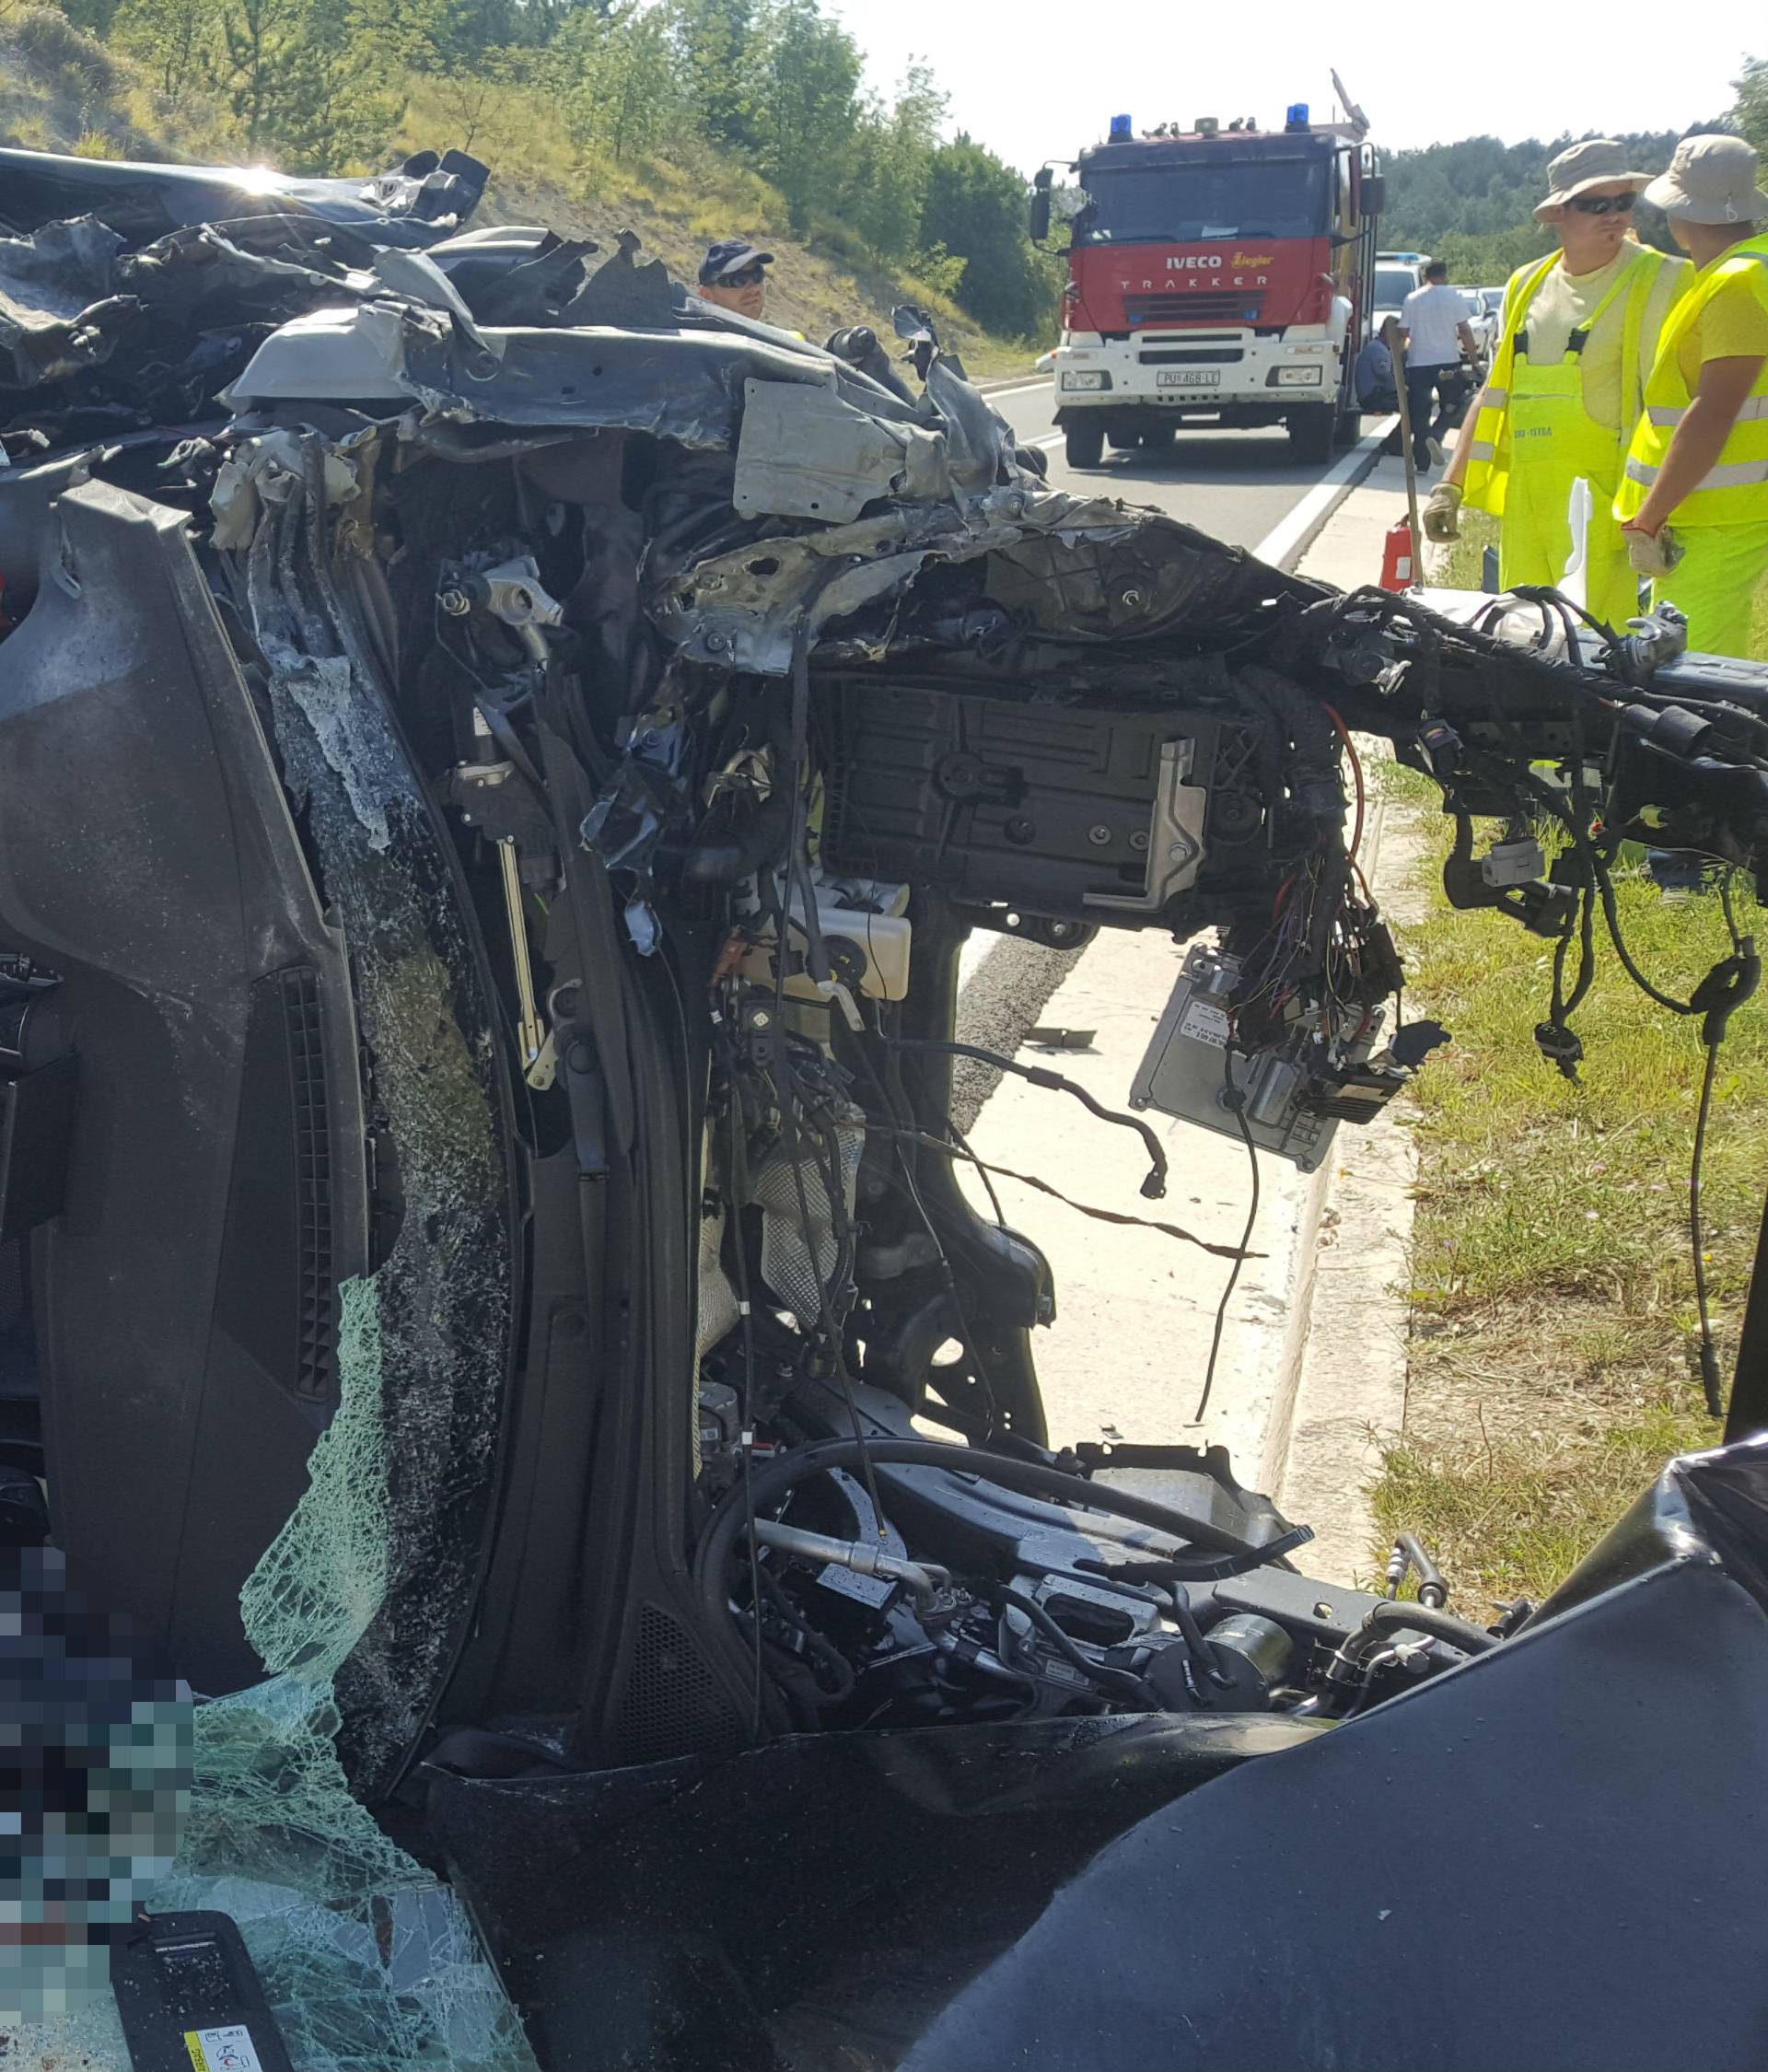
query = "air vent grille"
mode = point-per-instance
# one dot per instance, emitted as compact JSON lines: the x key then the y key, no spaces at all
{"x":671,"y":1704}
{"x":1201,"y":306}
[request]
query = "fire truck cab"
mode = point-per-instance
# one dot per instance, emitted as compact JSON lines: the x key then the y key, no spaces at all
{"x":1219,"y":275}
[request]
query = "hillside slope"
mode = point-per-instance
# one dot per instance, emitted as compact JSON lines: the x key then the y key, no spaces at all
{"x":62,"y":90}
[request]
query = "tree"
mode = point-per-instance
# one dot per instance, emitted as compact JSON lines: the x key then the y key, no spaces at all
{"x":976,"y":209}
{"x":623,"y":98}
{"x":300,"y":77}
{"x":177,"y":39}
{"x":1750,"y":116}
{"x":889,"y":160}
{"x":713,"y":46}
{"x":807,"y":83}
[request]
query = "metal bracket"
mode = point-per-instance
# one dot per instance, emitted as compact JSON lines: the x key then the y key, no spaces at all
{"x":1175,"y":836}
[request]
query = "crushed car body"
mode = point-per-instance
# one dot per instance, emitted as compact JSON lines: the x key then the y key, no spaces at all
{"x":498,"y":763}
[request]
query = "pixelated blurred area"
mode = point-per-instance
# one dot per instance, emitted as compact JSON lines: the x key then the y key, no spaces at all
{"x":96,"y":1770}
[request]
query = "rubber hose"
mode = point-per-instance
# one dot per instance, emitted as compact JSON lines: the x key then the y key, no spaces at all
{"x":770,"y":1482}
{"x":1430,"y":1578}
{"x":1422,"y":1618}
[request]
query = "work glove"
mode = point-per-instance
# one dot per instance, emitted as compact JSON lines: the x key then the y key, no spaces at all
{"x":1651,"y":553}
{"x":1443,"y":514}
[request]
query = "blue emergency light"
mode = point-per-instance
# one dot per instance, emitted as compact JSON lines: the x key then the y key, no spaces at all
{"x":1121,"y":129}
{"x":1297,"y":118}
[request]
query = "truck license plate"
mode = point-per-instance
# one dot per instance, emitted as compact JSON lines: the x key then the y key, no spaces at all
{"x":1188,"y":377}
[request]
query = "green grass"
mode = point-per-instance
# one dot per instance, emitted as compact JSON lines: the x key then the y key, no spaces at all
{"x":1513,"y":1522}
{"x":1550,"y":1294}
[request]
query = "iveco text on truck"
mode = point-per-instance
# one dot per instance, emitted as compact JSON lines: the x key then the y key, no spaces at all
{"x":1215,"y":273}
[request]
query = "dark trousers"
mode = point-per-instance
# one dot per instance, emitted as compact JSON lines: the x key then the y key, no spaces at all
{"x":1423,"y":384}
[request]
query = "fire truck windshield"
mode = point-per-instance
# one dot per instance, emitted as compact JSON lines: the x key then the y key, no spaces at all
{"x":1194,"y":200}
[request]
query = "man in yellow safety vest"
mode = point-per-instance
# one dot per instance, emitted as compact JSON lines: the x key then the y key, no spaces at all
{"x":1693,"y":497}
{"x":1567,"y":385}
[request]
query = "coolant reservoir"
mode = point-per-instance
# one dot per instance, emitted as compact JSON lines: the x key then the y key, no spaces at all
{"x":866,"y":930}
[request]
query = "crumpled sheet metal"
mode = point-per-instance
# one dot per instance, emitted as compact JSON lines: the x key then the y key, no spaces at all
{"x":1053,"y":556}
{"x":46,"y":282}
{"x":686,"y":386}
{"x":413,"y":205}
{"x":806,"y":453}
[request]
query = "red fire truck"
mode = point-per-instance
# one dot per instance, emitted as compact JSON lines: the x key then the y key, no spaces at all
{"x":1218,"y":274}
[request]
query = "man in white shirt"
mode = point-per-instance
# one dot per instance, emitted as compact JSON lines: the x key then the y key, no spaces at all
{"x":1437,"y":337}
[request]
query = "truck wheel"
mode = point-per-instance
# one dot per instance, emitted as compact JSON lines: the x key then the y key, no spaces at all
{"x":1349,"y":428}
{"x":1084,"y":445}
{"x":1310,"y":432}
{"x":1158,"y":438}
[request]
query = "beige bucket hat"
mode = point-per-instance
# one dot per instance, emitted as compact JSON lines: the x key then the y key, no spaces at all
{"x":1599,"y":161}
{"x":1711,"y":179}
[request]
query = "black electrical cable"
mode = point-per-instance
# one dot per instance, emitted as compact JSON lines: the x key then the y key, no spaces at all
{"x":1234,"y":1098}
{"x":1175,"y":1230}
{"x":1730,"y":982}
{"x":1154,"y":1187}
{"x":738,"y":1197}
{"x":785,"y":1079}
{"x":962,"y":1144}
{"x":947,"y":1277}
{"x":1197,"y":1646}
{"x":824,"y":1649}
{"x":1711,"y":1387}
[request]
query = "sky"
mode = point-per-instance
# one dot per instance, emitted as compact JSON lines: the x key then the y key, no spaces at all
{"x":1036,"y":79}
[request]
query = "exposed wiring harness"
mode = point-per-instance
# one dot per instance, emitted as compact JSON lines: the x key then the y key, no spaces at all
{"x":1732,"y":980}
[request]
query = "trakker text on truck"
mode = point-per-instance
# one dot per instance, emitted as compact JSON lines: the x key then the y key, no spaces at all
{"x":1215,"y":273}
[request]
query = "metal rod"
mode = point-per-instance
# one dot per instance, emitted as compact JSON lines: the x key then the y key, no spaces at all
{"x":925,"y":1579}
{"x":533,"y":1035}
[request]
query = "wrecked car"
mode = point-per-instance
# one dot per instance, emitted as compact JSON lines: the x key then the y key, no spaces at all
{"x":497,"y":764}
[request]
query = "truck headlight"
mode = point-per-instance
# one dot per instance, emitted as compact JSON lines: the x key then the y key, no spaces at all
{"x":1299,"y":378}
{"x":1091,"y":378}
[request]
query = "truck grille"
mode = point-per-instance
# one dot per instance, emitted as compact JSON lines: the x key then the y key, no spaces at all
{"x":1197,"y":306}
{"x":1216,"y":356}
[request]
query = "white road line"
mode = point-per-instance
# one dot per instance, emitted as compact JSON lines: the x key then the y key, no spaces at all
{"x":1045,"y":446}
{"x":1023,"y":389}
{"x":1282,"y":544}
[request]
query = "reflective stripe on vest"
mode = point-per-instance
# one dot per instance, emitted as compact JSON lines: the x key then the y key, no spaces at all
{"x":1673,"y":413}
{"x":1730,"y":490}
{"x":1724,"y":475}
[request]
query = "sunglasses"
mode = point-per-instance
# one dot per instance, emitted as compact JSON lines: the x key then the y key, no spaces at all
{"x":1602,"y":205}
{"x":752,"y":277}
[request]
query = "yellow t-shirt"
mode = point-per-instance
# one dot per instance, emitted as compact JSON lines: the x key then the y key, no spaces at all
{"x":1733,"y":326}
{"x":1562,"y":303}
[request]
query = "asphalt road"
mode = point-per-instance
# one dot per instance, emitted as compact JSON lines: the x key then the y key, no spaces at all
{"x":1241,"y":486}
